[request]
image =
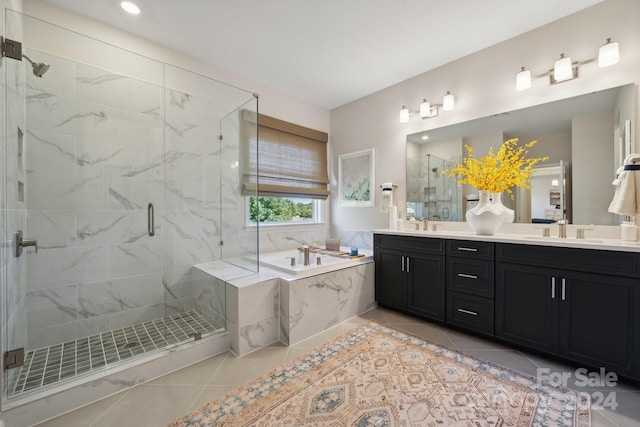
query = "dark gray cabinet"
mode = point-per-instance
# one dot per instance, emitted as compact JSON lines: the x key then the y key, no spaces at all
{"x":410,"y":275}
{"x":470,"y":285}
{"x":579,"y":304}
{"x":576,"y":313}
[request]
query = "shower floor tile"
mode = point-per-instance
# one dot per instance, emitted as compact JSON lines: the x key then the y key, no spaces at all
{"x":60,"y":362}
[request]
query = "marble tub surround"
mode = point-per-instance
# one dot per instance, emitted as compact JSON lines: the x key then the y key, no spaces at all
{"x":606,"y":237}
{"x":313,"y":304}
{"x":272,"y":306}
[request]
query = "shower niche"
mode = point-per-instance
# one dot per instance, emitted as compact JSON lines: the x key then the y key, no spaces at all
{"x":430,"y":193}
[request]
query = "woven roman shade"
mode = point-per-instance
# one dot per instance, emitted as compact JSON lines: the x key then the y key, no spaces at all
{"x":286,"y":160}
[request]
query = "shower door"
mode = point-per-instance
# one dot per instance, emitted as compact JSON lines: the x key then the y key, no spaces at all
{"x":84,"y":164}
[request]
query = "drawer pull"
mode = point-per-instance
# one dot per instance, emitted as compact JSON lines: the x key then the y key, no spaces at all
{"x":462,"y":310}
{"x":462,"y":248}
{"x":467,"y":276}
{"x":553,"y":288}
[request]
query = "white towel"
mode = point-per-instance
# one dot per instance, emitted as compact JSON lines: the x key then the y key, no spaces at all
{"x":626,"y":200}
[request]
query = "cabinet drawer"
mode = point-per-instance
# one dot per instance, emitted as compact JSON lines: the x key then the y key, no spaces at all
{"x":470,"y":312}
{"x":470,"y":249}
{"x":588,"y":260}
{"x":470,"y":276}
{"x":421,"y":244}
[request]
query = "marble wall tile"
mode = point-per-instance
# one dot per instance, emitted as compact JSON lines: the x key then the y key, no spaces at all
{"x":58,"y":267}
{"x":185,"y":253}
{"x":136,"y":128}
{"x":131,"y":259}
{"x":52,"y":228}
{"x":59,"y":333}
{"x":209,"y":293}
{"x":116,"y":90}
{"x":124,"y":318}
{"x":127,"y":293}
{"x":60,"y":78}
{"x":48,"y":307}
{"x":356,"y":238}
{"x":112,"y":227}
{"x":50,"y":152}
{"x":64,"y":191}
{"x":70,"y":116}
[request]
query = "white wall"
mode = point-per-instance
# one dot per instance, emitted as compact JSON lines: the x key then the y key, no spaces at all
{"x":484,"y":84}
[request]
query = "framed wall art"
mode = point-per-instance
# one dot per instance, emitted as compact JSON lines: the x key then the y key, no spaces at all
{"x":356,"y":179}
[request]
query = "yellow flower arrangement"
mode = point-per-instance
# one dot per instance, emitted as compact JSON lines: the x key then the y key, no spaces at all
{"x":497,"y":172}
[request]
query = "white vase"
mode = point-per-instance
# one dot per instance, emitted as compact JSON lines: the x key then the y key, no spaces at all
{"x":486,"y":217}
{"x":507,"y":214}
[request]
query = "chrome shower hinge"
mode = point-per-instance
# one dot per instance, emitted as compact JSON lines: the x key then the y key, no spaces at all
{"x":11,"y":49}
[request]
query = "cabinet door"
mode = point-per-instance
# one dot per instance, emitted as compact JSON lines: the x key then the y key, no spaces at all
{"x":597,"y":321}
{"x":391,"y":283}
{"x":527,"y":306}
{"x":426,"y":288}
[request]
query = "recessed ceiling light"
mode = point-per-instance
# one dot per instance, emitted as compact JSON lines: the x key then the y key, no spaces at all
{"x":425,"y":137}
{"x":130,"y":7}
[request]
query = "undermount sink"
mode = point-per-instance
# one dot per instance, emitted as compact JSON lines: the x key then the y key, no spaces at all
{"x":559,"y":239}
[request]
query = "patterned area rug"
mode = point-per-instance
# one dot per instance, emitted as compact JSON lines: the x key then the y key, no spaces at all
{"x":377,"y":376}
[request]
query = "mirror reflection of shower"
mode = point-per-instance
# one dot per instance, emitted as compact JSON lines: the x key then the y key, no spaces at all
{"x":39,"y":68}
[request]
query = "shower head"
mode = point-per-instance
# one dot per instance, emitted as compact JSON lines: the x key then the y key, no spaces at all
{"x":39,"y":68}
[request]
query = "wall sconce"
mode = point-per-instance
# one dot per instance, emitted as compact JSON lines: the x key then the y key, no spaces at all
{"x":448,"y":102}
{"x":608,"y":54}
{"x":429,"y":110}
{"x":523,"y":79}
{"x":404,"y":114}
{"x":564,"y":69}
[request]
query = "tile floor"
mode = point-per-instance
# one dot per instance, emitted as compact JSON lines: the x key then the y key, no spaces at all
{"x":158,"y":402}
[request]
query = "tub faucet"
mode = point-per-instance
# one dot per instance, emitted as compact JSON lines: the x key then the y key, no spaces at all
{"x":305,"y":251}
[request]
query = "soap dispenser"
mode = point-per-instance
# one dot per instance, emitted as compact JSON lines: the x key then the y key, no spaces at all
{"x":629,"y":230}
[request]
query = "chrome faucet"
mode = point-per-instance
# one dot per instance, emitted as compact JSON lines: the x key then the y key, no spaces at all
{"x":562,"y":228}
{"x":305,"y":251}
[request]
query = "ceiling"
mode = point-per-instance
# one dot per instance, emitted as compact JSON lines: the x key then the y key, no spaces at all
{"x":328,"y":52}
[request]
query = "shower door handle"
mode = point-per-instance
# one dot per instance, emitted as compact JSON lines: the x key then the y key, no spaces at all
{"x":151,"y":219}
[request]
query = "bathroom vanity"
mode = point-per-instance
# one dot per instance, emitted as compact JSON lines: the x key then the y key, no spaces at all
{"x":577,"y":300}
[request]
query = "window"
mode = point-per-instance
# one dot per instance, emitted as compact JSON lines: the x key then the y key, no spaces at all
{"x":268,"y":210}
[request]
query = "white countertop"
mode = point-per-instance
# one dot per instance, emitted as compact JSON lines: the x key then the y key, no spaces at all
{"x":597,"y":237}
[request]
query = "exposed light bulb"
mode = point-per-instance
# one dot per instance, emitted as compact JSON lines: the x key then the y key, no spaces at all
{"x":563,"y":69}
{"x":448,"y":102}
{"x":130,"y":7}
{"x":425,"y":109}
{"x":608,"y":54}
{"x":404,"y":114}
{"x":523,"y":79}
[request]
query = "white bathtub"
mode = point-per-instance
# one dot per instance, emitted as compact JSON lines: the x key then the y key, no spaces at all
{"x":282,"y":261}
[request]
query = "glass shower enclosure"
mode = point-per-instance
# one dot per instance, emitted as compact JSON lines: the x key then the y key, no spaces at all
{"x":431,"y":194}
{"x":120,"y":173}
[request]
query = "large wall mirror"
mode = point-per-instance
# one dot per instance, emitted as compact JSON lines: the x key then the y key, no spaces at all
{"x":585,"y":137}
